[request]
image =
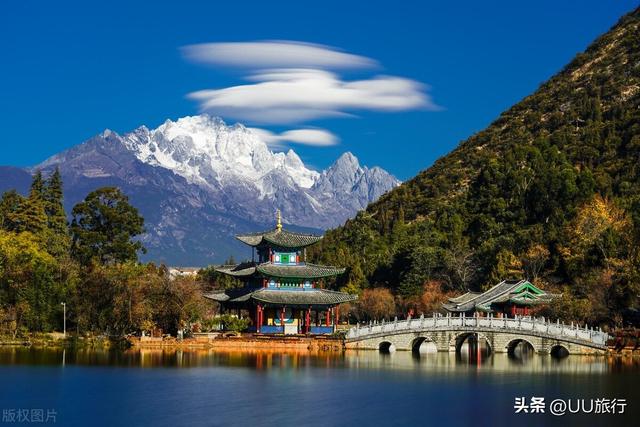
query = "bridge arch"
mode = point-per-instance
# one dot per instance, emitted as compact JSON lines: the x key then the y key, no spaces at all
{"x":495,"y":334}
{"x":386,"y":347}
{"x":513,"y":345}
{"x":559,"y":351}
{"x":423,"y":345}
{"x":458,"y":340}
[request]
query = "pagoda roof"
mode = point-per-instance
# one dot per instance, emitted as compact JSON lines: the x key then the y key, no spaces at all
{"x":245,"y":269}
{"x":520,"y":292}
{"x":311,"y":297}
{"x":279,"y":237}
{"x":269,"y":269}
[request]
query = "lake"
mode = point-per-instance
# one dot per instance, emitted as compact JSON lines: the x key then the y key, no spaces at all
{"x":212,"y":388}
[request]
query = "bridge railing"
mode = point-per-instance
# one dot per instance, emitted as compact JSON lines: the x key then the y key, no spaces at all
{"x":519,"y":324}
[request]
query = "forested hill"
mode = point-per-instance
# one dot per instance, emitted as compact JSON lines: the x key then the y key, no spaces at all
{"x":550,"y":190}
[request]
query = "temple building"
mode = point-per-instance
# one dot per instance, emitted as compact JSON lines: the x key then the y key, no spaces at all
{"x":281,"y":291}
{"x":507,"y":298}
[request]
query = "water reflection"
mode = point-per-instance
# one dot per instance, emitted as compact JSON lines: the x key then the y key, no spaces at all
{"x":521,"y":351}
{"x":472,"y":350}
{"x":471,"y":357}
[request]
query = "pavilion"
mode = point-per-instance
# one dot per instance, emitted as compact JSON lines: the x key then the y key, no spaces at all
{"x":507,"y":298}
{"x":281,"y":291}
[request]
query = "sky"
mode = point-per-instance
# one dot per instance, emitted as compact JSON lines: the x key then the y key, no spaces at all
{"x":399,"y":84}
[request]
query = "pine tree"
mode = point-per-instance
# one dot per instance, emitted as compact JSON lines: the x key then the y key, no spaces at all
{"x":30,"y":216}
{"x":37,"y":186}
{"x":56,"y":217}
{"x":9,"y":205}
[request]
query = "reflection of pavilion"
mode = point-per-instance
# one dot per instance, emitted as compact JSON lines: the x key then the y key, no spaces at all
{"x":281,"y":290}
{"x":507,"y":298}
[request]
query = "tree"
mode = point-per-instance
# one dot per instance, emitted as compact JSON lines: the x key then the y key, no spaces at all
{"x":433,"y":297}
{"x":29,"y":288}
{"x":420,"y":264}
{"x":52,"y":195}
{"x":377,"y":303}
{"x":56,"y":216}
{"x":460,"y":262}
{"x":9,"y":205}
{"x":506,"y":266}
{"x":601,"y":225}
{"x":30,"y":216}
{"x":37,"y":186}
{"x":534,"y":260}
{"x":104,"y":226}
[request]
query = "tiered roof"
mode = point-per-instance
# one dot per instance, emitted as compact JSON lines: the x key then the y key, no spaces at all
{"x":319,"y":297}
{"x":300,"y":295}
{"x":520,"y":292}
{"x":280,"y":238}
{"x":269,"y":269}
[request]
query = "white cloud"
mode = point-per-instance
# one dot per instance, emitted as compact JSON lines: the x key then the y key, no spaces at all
{"x":275,"y":54}
{"x":290,"y":82}
{"x":296,"y":95}
{"x":314,"y":137}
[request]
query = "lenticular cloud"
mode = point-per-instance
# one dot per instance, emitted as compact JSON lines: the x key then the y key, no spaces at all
{"x":291,"y":82}
{"x":275,"y":54}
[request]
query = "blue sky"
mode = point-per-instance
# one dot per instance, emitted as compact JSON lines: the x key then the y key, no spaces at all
{"x":71,"y":69}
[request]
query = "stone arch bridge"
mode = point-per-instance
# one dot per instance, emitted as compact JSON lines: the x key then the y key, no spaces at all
{"x":448,"y":333}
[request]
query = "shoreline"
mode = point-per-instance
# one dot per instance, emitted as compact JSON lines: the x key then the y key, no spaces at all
{"x":235,"y":343}
{"x":250,"y":343}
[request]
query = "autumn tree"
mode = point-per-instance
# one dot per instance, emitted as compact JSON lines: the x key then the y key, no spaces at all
{"x":534,"y":260}
{"x":599,"y":225}
{"x":433,"y":297}
{"x":377,"y":303}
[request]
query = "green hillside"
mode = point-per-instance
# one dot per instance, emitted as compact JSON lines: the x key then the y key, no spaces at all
{"x":550,"y":190}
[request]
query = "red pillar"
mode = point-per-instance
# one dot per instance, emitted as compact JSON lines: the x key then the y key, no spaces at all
{"x":282,"y":319}
{"x":327,"y":318}
{"x":337,"y":314}
{"x":261,"y":318}
{"x":307,"y":320}
{"x":257,"y":318}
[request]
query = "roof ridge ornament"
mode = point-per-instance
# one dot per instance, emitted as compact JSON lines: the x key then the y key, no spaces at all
{"x":279,"y":220}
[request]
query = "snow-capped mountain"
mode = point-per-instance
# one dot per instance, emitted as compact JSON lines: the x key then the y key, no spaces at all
{"x":204,"y":150}
{"x":198,"y":182}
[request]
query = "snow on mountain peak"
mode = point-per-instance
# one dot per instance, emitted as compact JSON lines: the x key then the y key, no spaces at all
{"x":205,"y":149}
{"x":198,"y":182}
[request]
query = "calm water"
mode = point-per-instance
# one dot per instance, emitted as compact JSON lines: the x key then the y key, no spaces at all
{"x":206,"y":388}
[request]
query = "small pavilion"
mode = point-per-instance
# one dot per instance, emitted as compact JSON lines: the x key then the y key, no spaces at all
{"x":507,"y":298}
{"x":281,"y":291}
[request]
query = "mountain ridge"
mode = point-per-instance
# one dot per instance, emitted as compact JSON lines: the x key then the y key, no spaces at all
{"x":520,"y":186}
{"x":197,"y":172}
